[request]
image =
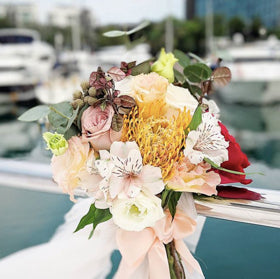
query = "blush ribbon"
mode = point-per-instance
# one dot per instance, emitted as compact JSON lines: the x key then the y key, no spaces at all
{"x":147,"y":247}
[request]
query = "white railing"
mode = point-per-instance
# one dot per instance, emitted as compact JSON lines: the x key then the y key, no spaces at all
{"x":266,"y":212}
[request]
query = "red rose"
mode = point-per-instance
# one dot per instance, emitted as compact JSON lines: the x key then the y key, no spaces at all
{"x":230,"y":192}
{"x":237,"y":161}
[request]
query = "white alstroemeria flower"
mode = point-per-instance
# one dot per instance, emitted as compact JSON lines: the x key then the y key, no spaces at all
{"x":123,"y":170}
{"x":137,"y":213}
{"x":212,"y":107}
{"x":207,"y":142}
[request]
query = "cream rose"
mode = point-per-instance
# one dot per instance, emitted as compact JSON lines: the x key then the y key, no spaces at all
{"x":136,"y":214}
{"x":96,"y":127}
{"x":179,"y":97}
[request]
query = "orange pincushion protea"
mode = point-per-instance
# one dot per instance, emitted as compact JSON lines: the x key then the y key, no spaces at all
{"x":160,"y":140}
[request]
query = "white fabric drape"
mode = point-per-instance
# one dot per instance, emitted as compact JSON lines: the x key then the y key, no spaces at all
{"x":71,"y":255}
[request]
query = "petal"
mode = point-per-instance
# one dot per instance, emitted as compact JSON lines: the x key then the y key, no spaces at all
{"x":104,"y":155}
{"x":116,"y":185}
{"x":133,"y":163}
{"x":152,"y":179}
{"x":121,"y":149}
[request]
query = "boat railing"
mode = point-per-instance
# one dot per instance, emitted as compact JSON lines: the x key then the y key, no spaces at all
{"x":265,"y":212}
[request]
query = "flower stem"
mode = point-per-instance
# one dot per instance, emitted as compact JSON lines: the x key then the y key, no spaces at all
{"x":175,"y":265}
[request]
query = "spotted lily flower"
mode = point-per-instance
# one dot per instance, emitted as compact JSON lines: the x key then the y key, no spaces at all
{"x":207,"y":142}
{"x":124,"y":173}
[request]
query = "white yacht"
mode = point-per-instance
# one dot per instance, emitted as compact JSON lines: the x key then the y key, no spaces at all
{"x":255,"y":71}
{"x":25,"y":61}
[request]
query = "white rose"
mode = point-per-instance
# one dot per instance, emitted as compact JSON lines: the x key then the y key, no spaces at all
{"x":136,"y":214}
{"x":179,"y":97}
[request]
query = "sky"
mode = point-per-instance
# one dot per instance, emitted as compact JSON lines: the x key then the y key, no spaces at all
{"x":117,"y":11}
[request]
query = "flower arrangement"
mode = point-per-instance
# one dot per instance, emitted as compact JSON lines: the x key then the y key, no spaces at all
{"x":141,"y":139}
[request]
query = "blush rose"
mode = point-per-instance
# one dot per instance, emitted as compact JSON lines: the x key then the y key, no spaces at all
{"x":96,"y":127}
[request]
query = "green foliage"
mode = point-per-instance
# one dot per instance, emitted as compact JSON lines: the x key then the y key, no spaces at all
{"x":197,"y":72}
{"x":196,"y":120}
{"x":94,"y":216}
{"x":236,"y":25}
{"x":183,"y":59}
{"x":170,"y":199}
{"x":59,"y":116}
{"x":227,"y":170}
{"x":35,"y":113}
{"x":144,"y":67}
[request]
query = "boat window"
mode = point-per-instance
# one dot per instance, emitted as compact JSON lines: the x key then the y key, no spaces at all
{"x":16,"y":39}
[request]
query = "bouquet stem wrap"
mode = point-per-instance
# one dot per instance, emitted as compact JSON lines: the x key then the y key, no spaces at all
{"x":147,"y":247}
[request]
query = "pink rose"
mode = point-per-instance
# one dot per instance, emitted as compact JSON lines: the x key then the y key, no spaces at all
{"x":96,"y":127}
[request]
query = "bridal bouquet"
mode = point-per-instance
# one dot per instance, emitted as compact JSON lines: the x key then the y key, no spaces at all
{"x":141,"y":139}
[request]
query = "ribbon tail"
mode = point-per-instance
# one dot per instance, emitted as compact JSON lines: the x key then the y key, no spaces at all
{"x":190,"y":262}
{"x":124,"y":271}
{"x":158,"y":262}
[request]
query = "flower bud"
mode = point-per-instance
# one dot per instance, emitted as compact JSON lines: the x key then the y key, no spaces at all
{"x":77,"y":95}
{"x":85,"y":85}
{"x":86,"y":99}
{"x":77,"y":103}
{"x":164,"y":65}
{"x":92,"y":92}
{"x":91,"y":101}
{"x":56,"y":143}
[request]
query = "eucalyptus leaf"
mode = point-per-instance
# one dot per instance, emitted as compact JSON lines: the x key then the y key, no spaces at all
{"x":60,"y":114}
{"x":35,"y":113}
{"x":80,"y":114}
{"x":71,"y":132}
{"x":72,"y":118}
{"x":179,"y":76}
{"x":94,"y":216}
{"x":197,"y":72}
{"x":197,"y":58}
{"x":114,"y":33}
{"x":138,"y":27}
{"x":183,"y":59}
{"x":144,"y":67}
{"x":119,"y":33}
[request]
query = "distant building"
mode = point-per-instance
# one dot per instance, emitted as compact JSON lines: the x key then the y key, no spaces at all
{"x":65,"y":16}
{"x":20,"y":14}
{"x":267,"y":10}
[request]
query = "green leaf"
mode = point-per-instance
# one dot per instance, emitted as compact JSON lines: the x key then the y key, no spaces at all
{"x":197,"y":72}
{"x":114,"y":33}
{"x":94,"y":216}
{"x":119,"y":33}
{"x":144,"y":67}
{"x":103,"y":106}
{"x":59,"y":115}
{"x":72,"y":119}
{"x":80,"y":114}
{"x":195,"y":90}
{"x":179,"y":76}
{"x":173,"y":201}
{"x":227,"y":170}
{"x":71,"y":132}
{"x":164,"y":197}
{"x":170,"y":199}
{"x":184,"y":60}
{"x":142,"y":25}
{"x":35,"y":113}
{"x":196,"y":120}
{"x":197,"y":58}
